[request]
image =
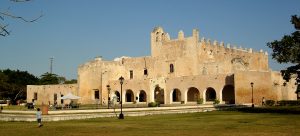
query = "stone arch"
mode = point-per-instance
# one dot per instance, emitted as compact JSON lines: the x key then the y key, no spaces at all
{"x":129,"y":96}
{"x":210,"y":94}
{"x":159,"y":95}
{"x":228,"y":95}
{"x":193,"y":94}
{"x":117,"y":94}
{"x":176,"y":95}
{"x":142,"y":96}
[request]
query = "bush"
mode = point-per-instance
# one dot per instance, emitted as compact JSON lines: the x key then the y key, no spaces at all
{"x":270,"y":102}
{"x":289,"y":103}
{"x":282,"y":110}
{"x":216,"y":101}
{"x":153,"y":104}
{"x":200,"y":101}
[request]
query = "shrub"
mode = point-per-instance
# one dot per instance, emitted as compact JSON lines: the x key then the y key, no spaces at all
{"x":270,"y":102}
{"x":289,"y":103}
{"x":200,"y":101}
{"x":153,"y":104}
{"x":216,"y":101}
{"x":282,"y":110}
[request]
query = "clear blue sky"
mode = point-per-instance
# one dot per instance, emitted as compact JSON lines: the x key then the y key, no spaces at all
{"x":75,"y":31}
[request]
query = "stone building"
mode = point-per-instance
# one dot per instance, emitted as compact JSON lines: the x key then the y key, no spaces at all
{"x":179,"y":71}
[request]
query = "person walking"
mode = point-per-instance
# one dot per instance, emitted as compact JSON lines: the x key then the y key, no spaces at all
{"x":263,"y":103}
{"x":39,"y":117}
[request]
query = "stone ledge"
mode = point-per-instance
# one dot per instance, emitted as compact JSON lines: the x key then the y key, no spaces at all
{"x":107,"y":113}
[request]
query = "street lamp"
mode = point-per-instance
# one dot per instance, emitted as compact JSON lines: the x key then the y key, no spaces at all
{"x":108,"y":98}
{"x":121,"y":79}
{"x":252,"y":94}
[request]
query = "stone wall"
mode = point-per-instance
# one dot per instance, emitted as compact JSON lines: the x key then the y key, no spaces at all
{"x":45,"y":93}
{"x":262,"y":87}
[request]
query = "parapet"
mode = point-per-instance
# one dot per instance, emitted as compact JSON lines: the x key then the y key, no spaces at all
{"x":160,"y":35}
{"x":207,"y":42}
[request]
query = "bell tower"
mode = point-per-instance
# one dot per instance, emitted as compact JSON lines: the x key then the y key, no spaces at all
{"x":157,"y":37}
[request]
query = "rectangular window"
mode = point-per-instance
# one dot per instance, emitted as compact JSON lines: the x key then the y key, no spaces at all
{"x":35,"y":97}
{"x":55,"y":97}
{"x":145,"y":72}
{"x":97,"y":94}
{"x":171,"y":68}
{"x":131,"y":74}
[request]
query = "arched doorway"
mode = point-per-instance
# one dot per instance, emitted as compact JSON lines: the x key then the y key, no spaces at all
{"x":228,"y":94}
{"x":159,"y":95}
{"x":129,"y":97}
{"x":117,"y":95}
{"x":142,"y":96}
{"x":210,"y":94}
{"x":193,"y":94}
{"x":176,"y":95}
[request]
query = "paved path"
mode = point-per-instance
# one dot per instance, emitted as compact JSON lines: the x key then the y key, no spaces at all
{"x":10,"y":115}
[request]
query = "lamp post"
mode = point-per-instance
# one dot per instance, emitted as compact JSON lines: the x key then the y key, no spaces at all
{"x":121,"y":79}
{"x":252,"y":94}
{"x":108,"y":98}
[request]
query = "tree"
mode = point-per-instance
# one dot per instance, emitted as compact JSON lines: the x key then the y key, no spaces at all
{"x":13,"y":84}
{"x":287,"y":50}
{"x":72,"y":81}
{"x":7,"y":14}
{"x":49,"y":78}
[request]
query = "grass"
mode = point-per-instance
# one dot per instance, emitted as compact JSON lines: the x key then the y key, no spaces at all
{"x":209,"y":123}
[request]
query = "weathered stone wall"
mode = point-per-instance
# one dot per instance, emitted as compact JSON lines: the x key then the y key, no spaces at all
{"x":262,"y":86}
{"x":45,"y":93}
{"x":89,"y":80}
{"x":285,"y":90}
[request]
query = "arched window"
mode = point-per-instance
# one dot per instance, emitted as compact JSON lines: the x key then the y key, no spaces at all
{"x":171,"y":68}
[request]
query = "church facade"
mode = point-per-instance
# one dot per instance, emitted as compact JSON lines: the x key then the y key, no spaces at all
{"x":178,"y":71}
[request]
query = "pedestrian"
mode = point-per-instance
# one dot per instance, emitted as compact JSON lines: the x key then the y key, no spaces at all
{"x":1,"y":109}
{"x":33,"y":104}
{"x":263,"y":101}
{"x":39,"y":117}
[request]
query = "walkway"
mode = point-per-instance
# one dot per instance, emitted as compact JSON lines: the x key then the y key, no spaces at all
{"x":10,"y":115}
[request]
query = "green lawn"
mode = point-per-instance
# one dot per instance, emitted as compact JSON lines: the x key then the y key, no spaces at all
{"x":209,"y":123}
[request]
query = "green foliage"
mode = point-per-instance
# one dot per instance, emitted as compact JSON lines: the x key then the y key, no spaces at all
{"x":13,"y":84}
{"x":72,"y":81}
{"x":287,"y":50}
{"x":270,"y":102}
{"x":216,"y":101}
{"x":49,"y":78}
{"x":153,"y":104}
{"x":284,"y":110}
{"x":288,"y":103}
{"x":200,"y":101}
